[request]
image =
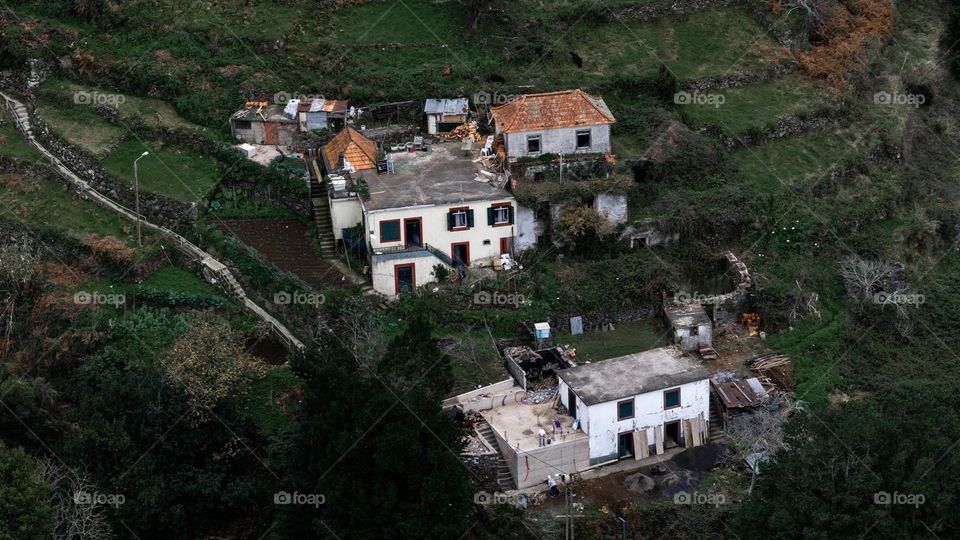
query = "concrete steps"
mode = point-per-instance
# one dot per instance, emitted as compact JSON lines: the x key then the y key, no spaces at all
{"x":321,"y":214}
{"x":716,"y":426}
{"x":504,"y":478}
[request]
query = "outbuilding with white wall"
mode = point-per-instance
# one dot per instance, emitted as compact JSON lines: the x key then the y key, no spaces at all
{"x":640,"y":404}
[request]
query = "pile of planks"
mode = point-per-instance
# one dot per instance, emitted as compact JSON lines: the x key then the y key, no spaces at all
{"x":776,"y":367}
{"x":464,"y":130}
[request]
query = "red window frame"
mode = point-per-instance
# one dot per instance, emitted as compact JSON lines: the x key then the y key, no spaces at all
{"x":501,"y":205}
{"x":396,"y":276}
{"x":453,"y":252}
{"x":399,"y":231}
{"x":465,"y":210}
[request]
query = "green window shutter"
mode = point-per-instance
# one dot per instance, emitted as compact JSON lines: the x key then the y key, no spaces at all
{"x":389,"y":231}
{"x":470,"y":218}
{"x":490,"y":217}
{"x":511,"y":215}
{"x":450,"y":221}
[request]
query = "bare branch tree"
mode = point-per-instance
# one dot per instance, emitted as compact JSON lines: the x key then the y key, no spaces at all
{"x":864,"y":278}
{"x":759,"y":432}
{"x":76,"y":515}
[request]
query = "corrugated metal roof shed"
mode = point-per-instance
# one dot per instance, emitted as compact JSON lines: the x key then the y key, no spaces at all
{"x":446,"y":106}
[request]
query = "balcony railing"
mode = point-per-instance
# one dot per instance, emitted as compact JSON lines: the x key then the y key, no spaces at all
{"x":413,"y":248}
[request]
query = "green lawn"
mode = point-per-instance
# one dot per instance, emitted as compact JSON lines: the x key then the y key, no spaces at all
{"x":181,"y":174}
{"x":268,"y":403}
{"x":15,"y":145}
{"x":79,"y":125}
{"x":177,"y":279}
{"x":626,"y":338}
{"x":47,"y":202}
{"x":802,"y":160}
{"x":757,"y":105}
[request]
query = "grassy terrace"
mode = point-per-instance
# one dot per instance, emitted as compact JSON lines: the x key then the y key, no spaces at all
{"x":15,"y":145}
{"x":181,"y":174}
{"x":759,"y":105}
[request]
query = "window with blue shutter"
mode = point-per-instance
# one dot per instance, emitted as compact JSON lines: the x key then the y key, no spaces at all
{"x":390,"y":230}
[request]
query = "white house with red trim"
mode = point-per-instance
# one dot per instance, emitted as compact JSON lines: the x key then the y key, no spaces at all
{"x":423,"y":208}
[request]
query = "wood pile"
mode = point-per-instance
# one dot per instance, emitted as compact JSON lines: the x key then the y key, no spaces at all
{"x":752,"y":322}
{"x":775,"y":367}
{"x":464,"y":130}
{"x":708,"y":353}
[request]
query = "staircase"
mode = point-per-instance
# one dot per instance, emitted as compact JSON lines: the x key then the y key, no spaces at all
{"x":716,"y":425}
{"x":504,"y":478}
{"x":321,"y":214}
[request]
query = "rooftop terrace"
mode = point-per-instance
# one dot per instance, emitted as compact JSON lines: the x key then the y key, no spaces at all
{"x":440,"y":176}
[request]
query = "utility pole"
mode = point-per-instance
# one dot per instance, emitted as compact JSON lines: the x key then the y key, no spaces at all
{"x":136,"y":194}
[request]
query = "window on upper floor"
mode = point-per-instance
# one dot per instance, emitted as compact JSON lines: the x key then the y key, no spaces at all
{"x":459,"y":218}
{"x":583,"y":139}
{"x":501,"y":214}
{"x":390,"y":230}
{"x":671,"y":398}
{"x":625,"y":409}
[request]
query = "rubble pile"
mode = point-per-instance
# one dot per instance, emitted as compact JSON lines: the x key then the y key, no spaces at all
{"x":474,"y":446}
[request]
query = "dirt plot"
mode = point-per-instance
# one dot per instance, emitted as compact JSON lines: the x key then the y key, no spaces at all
{"x":286,"y":243}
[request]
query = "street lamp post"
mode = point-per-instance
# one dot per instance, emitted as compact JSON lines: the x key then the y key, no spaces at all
{"x":136,"y":194}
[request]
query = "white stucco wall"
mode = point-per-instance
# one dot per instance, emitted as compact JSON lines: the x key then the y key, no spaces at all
{"x":557,"y":141}
{"x":600,"y":421}
{"x":345,"y":213}
{"x":613,"y":207}
{"x":483,"y":239}
{"x":528,"y":228}
{"x":687,"y":342}
{"x":384,"y":278}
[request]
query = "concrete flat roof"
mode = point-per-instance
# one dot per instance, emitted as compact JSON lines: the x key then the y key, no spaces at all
{"x":627,"y":376}
{"x":441,"y":176}
{"x":686,"y":315}
{"x":519,"y":424}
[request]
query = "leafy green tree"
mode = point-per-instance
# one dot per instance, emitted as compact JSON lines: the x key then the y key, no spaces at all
{"x":882,"y":467}
{"x":24,"y":510}
{"x":376,"y":444}
{"x":134,"y":437}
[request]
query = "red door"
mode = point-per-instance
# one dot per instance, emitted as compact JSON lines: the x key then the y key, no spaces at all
{"x":270,"y":132}
{"x":505,"y":245}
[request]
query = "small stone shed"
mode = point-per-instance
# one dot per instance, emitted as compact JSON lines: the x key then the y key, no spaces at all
{"x":691,"y":326}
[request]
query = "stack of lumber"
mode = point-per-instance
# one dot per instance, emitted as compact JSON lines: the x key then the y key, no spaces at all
{"x":752,"y":322}
{"x":464,"y":130}
{"x":776,"y":367}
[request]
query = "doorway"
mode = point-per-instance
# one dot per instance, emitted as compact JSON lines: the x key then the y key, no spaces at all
{"x":270,"y":132}
{"x":671,"y":434}
{"x":412,"y":232}
{"x":405,"y":276}
{"x":505,"y":245}
{"x":572,"y":403}
{"x":460,"y":253}
{"x":625,"y":445}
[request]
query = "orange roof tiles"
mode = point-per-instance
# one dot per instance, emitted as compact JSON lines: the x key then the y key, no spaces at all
{"x":360,"y":151}
{"x":569,"y":108}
